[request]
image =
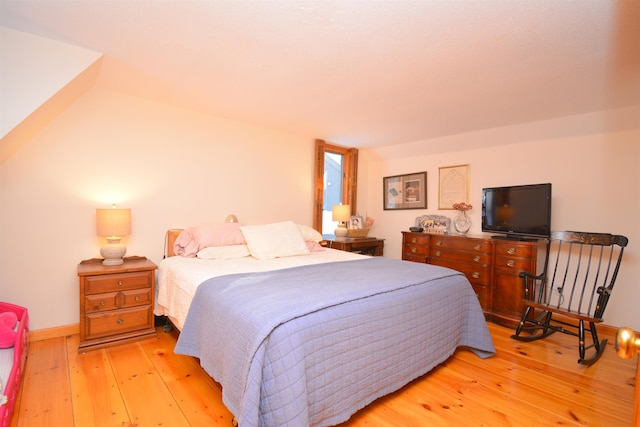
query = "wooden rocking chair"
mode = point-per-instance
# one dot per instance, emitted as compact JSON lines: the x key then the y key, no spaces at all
{"x":575,"y":286}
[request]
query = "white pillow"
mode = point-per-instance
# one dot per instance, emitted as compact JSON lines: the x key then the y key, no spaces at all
{"x":224,"y":252}
{"x":280,"y":239}
{"x":309,"y":234}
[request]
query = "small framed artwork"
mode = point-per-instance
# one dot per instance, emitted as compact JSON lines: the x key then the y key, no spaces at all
{"x":453,"y":186}
{"x":356,"y":222}
{"x":405,"y":191}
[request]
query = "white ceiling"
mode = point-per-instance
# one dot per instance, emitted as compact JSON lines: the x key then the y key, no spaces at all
{"x":359,"y":73}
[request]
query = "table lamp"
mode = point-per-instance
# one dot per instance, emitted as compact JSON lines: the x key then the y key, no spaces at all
{"x":113,"y":224}
{"x":341,"y":213}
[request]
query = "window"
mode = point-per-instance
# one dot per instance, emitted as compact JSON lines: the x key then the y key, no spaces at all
{"x":335,"y":181}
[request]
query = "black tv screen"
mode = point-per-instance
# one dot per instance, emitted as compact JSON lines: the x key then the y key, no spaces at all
{"x":517,"y":211}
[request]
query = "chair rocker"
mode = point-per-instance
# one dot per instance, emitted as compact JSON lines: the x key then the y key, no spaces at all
{"x":571,"y":294}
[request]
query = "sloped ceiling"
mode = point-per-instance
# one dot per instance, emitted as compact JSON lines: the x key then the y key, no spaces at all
{"x":359,"y":73}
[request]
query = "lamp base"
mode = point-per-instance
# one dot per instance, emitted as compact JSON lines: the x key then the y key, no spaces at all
{"x":113,"y":253}
{"x":340,"y":232}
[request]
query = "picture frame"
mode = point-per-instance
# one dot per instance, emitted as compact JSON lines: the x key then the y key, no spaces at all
{"x":453,"y":186}
{"x":405,"y":191}
{"x":356,"y":222}
{"x":433,"y":224}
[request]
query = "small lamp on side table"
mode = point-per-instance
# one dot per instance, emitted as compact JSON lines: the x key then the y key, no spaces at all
{"x":341,"y":213}
{"x":113,"y":224}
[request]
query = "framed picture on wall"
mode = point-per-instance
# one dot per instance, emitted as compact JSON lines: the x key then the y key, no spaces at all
{"x":453,"y":186}
{"x":405,"y":191}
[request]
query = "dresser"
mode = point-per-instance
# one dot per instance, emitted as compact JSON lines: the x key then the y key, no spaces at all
{"x":116,"y":302}
{"x":491,"y":265}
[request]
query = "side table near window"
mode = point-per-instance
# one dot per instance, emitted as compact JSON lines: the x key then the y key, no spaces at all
{"x":364,"y":245}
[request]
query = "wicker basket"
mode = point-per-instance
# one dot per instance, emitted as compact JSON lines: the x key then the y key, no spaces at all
{"x":357,"y":232}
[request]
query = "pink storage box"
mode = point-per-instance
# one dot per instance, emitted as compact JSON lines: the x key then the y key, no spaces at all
{"x":11,"y":382}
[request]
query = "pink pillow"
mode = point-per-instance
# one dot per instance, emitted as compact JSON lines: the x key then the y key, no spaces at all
{"x":192,"y":239}
{"x":8,"y":320}
{"x":314,"y":247}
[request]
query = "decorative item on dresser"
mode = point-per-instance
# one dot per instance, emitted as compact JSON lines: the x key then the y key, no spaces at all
{"x":116,"y":302}
{"x":491,"y":265}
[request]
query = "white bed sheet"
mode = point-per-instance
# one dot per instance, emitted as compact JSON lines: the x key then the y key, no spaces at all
{"x":179,"y":277}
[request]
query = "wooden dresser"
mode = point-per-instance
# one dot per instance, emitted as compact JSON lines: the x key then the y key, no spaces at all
{"x":491,"y":265}
{"x":116,"y":302}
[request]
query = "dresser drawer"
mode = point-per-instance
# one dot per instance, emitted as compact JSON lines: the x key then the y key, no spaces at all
{"x":415,"y":239}
{"x":414,"y":258}
{"x":515,"y":249}
{"x":512,"y":263}
{"x":461,"y":244}
{"x":414,"y":250}
{"x":477,"y":274}
{"x":480,"y":258}
{"x":117,"y":282}
{"x":484,"y":295}
{"x":100,"y":325}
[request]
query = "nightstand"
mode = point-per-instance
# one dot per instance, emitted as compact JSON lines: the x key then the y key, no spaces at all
{"x":116,"y":302}
{"x":362,"y":245}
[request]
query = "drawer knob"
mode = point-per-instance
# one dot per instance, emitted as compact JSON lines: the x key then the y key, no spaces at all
{"x":102,"y":303}
{"x":477,"y":247}
{"x":414,"y":240}
{"x":119,"y":282}
{"x":475,"y":275}
{"x":137,"y":298}
{"x":439,"y":243}
{"x":438,"y":253}
{"x":476,"y":258}
{"x":511,"y":251}
{"x":414,"y":250}
{"x":120,"y":321}
{"x":511,"y":263}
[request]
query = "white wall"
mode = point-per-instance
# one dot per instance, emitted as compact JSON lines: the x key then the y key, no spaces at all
{"x":596,"y":187}
{"x":33,"y":69}
{"x":172,"y":167}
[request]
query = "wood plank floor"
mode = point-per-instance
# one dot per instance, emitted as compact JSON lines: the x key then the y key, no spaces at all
{"x":146,"y":384}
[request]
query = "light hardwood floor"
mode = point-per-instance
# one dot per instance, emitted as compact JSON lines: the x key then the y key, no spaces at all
{"x":146,"y":384}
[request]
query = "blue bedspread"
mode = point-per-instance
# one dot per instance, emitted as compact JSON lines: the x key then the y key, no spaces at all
{"x":309,"y":346}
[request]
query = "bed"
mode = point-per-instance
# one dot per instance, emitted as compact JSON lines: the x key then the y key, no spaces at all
{"x":308,"y":336}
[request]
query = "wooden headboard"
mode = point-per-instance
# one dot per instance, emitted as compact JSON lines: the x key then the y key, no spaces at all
{"x":172,"y":235}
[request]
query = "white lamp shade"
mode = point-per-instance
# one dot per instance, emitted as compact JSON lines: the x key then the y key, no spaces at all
{"x":113,"y":222}
{"x":341,"y":213}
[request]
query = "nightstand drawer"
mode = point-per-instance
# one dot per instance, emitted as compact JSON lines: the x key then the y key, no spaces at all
{"x":100,"y":325}
{"x":136,"y":297}
{"x":101,"y":302}
{"x":117,"y":282}
{"x":114,"y":300}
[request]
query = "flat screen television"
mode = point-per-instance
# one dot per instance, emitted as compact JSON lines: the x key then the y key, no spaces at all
{"x":518,"y":211}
